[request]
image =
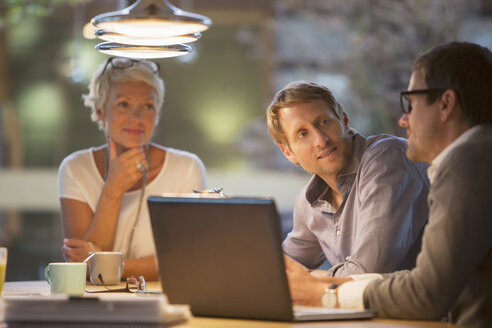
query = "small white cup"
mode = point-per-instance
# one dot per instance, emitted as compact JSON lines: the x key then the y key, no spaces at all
{"x":107,"y":264}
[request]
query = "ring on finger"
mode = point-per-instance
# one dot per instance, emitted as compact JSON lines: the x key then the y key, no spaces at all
{"x":141,"y":167}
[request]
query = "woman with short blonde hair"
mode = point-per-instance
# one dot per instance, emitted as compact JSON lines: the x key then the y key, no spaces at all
{"x":103,"y":189}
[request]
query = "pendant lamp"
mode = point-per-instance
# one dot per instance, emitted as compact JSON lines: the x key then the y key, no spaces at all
{"x":149,"y":29}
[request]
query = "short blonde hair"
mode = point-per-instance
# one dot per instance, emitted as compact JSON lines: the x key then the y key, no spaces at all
{"x":105,"y":75}
{"x":297,"y":92}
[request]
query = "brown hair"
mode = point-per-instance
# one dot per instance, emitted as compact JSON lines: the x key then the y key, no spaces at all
{"x":297,"y":92}
{"x":465,"y":68}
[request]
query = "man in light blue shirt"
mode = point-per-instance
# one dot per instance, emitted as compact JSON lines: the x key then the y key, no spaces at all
{"x":364,"y":209}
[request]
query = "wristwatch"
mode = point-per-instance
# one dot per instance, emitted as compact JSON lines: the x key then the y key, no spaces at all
{"x":329,"y":299}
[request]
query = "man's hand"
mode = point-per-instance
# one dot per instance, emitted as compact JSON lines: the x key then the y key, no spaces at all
{"x":306,"y":288}
{"x":318,"y":273}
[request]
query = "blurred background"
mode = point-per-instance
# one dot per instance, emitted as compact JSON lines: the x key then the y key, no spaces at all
{"x":215,"y":97}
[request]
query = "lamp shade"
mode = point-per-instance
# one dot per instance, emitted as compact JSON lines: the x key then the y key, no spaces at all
{"x":146,"y":41}
{"x":151,"y":19}
{"x":131,"y":51}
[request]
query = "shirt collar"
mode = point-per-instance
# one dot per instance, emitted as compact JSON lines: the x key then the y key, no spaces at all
{"x":358,"y":148}
{"x":441,"y":157}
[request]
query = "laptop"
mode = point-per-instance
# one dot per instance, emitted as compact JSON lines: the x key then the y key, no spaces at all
{"x":223,"y":257}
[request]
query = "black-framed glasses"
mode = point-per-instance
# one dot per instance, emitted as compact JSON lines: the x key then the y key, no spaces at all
{"x":133,"y":285}
{"x":406,"y":105}
{"x":126,"y":63}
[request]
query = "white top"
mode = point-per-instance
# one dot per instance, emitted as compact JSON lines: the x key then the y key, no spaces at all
{"x":79,"y":179}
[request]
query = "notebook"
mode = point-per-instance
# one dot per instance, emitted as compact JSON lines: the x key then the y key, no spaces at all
{"x":223,"y":257}
{"x":103,"y":310}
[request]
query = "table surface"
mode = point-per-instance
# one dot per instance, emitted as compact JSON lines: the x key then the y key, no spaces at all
{"x":42,"y":287}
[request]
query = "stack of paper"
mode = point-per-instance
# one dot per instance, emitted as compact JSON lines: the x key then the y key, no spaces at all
{"x":104,"y":308}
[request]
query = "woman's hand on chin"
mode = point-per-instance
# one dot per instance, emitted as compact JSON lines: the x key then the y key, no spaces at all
{"x":124,"y":171}
{"x":77,"y":250}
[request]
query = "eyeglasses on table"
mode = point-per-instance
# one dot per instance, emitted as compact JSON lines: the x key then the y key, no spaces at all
{"x":133,"y":285}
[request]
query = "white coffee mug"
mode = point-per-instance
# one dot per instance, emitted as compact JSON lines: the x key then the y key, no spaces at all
{"x":106,"y":265}
{"x":66,"y":278}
